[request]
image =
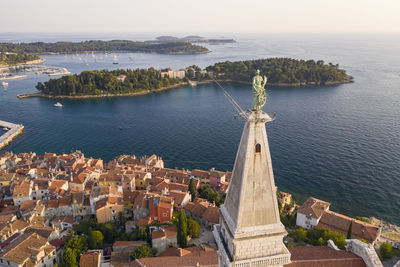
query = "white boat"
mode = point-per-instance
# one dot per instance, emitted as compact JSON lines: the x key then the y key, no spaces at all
{"x":115,"y":60}
{"x":5,"y":129}
{"x":4,"y":84}
{"x":58,"y":104}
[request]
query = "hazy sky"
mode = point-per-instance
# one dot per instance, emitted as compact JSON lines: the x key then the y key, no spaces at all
{"x":200,"y":16}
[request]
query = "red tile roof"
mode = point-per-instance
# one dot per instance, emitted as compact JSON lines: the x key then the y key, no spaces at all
{"x":341,"y":223}
{"x":195,"y":258}
{"x":90,"y":259}
{"x":323,"y":256}
{"x":313,"y":207}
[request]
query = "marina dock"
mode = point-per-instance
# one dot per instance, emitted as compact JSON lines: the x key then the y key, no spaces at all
{"x":13,"y":132}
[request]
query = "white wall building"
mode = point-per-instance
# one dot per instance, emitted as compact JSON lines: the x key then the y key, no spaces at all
{"x":309,"y":214}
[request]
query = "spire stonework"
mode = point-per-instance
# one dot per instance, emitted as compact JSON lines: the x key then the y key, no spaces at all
{"x":250,"y":232}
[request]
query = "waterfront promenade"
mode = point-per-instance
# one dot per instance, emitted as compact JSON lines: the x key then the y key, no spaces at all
{"x":13,"y":132}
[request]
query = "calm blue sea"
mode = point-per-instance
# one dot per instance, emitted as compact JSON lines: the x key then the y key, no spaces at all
{"x":338,"y":143}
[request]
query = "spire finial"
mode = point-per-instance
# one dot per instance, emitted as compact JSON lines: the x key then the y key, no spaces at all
{"x":259,"y":93}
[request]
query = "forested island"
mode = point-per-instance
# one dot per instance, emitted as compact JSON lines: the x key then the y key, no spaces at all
{"x":280,"y":72}
{"x":104,"y":46}
{"x":106,"y":82}
{"x":195,"y":39}
{"x":16,"y":58}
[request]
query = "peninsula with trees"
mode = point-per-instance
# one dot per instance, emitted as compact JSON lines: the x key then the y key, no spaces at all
{"x":280,"y":72}
{"x":10,"y":59}
{"x":37,"y":48}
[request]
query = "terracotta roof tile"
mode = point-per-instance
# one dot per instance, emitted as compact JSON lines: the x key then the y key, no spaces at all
{"x":313,"y":207}
{"x":323,"y":256}
{"x":90,"y":259}
{"x":341,"y":223}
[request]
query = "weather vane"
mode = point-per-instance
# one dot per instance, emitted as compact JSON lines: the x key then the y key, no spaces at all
{"x":259,"y":93}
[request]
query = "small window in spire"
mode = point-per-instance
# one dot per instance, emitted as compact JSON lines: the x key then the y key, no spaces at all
{"x":258,"y":148}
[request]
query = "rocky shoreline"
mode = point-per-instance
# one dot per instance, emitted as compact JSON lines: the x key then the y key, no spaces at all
{"x":145,"y":92}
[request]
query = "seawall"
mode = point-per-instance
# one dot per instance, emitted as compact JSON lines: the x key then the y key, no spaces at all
{"x":7,"y":137}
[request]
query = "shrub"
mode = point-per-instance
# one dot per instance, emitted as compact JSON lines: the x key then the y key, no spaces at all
{"x":143,"y":251}
{"x":300,"y":235}
{"x":386,"y":250}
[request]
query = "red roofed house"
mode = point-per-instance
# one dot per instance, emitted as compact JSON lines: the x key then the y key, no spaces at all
{"x":192,"y":256}
{"x":309,"y":214}
{"x":161,"y":208}
{"x":107,"y":209}
{"x":121,"y":77}
{"x":164,"y":238}
{"x":22,"y":192}
{"x":90,"y":259}
{"x":180,"y":198}
{"x":216,"y":178}
{"x":323,"y":256}
{"x":203,"y":211}
{"x":203,"y":176}
{"x":341,"y":223}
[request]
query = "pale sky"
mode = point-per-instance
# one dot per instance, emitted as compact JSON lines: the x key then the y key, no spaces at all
{"x":196,"y":16}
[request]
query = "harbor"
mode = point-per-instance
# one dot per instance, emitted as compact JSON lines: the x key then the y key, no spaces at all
{"x":12,"y":73}
{"x":11,"y":132}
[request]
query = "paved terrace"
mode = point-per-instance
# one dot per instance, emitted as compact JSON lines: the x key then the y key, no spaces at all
{"x":7,"y":137}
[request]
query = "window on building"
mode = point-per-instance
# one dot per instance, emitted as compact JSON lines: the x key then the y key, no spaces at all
{"x":258,"y":148}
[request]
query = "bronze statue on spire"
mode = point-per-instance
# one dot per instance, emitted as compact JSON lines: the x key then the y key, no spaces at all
{"x":259,"y":93}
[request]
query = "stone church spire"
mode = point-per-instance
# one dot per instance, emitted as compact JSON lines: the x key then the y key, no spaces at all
{"x":250,"y":232}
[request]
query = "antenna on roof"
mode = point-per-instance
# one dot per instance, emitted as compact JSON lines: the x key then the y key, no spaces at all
{"x":240,"y":111}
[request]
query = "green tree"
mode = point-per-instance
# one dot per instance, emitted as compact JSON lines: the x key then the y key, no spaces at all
{"x":320,"y":236}
{"x":210,"y":194}
{"x":77,"y":243}
{"x":192,"y":189}
{"x":142,"y":233}
{"x":69,"y":258}
{"x":193,"y":227}
{"x":98,"y":236}
{"x":91,"y":239}
{"x":300,"y":234}
{"x":144,"y":251}
{"x":182,"y":229}
{"x":349,"y":231}
{"x":83,"y":228}
{"x":386,"y":250}
{"x":121,"y":219}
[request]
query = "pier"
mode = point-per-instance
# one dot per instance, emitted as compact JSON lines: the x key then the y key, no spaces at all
{"x":13,"y":132}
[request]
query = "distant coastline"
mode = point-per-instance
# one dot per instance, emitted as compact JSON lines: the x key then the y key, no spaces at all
{"x":40,"y":48}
